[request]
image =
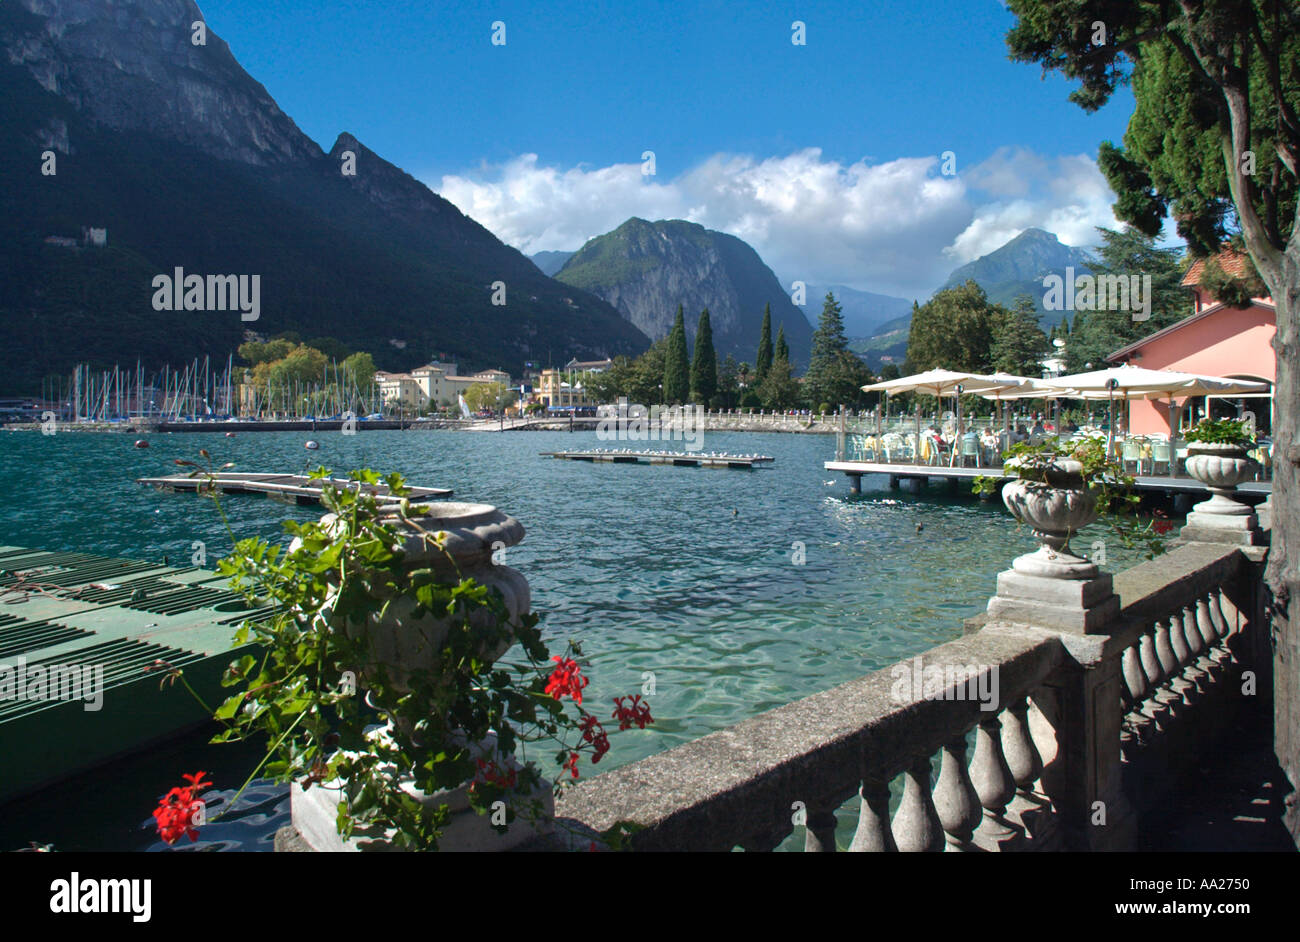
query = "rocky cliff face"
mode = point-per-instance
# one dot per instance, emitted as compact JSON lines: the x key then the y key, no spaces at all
{"x":646,"y":269}
{"x":187,"y":161}
{"x":135,"y":66}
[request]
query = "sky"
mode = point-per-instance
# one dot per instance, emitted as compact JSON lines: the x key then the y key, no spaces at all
{"x":827,"y":157}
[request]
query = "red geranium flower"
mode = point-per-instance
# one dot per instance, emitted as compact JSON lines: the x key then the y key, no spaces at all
{"x":566,"y":680}
{"x":635,"y":712}
{"x":572,"y":764}
{"x":176,"y":811}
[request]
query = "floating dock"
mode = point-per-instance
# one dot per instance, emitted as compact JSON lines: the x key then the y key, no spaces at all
{"x":76,"y":629}
{"x":293,"y":488}
{"x":686,"y":459}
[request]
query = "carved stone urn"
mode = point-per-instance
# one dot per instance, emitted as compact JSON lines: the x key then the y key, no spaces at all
{"x":1055,"y":508}
{"x":1052,"y":588}
{"x":1222,"y":518}
{"x":472,"y":537}
{"x":472,"y":534}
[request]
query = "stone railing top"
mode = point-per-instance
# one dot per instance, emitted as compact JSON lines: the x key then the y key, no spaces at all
{"x":738,"y":783}
{"x":1158,"y":586}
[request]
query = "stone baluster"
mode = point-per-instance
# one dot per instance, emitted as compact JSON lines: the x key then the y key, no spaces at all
{"x":955,"y":798}
{"x":874,"y":834}
{"x":1162,"y":701}
{"x":916,"y":824}
{"x":1139,"y":692}
{"x":820,"y":835}
{"x":1183,"y":659}
{"x":994,"y":784}
{"x":1209,"y":634}
{"x":1223,"y":629}
{"x":1197,"y":670}
{"x":1023,"y":760}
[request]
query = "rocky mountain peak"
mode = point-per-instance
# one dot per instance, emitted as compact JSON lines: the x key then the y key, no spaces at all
{"x":144,"y":65}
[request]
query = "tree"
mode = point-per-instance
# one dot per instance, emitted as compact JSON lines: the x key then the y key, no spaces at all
{"x":1019,"y":343}
{"x":486,"y":396}
{"x":1214,"y":141}
{"x":254,"y":352}
{"x":764,"y":361}
{"x":779,"y":389}
{"x":835,"y":375}
{"x":704,"y":368}
{"x":954,"y":331}
{"x":1101,"y":332}
{"x":677,"y":370}
{"x":645,"y":386}
{"x":728,"y":383}
{"x":783,"y":348}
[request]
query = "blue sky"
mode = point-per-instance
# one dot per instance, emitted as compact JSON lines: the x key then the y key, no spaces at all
{"x":825,"y":156}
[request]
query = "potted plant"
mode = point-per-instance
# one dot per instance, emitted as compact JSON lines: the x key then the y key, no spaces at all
{"x":1218,"y":457}
{"x":1060,"y":487}
{"x":380,"y":678}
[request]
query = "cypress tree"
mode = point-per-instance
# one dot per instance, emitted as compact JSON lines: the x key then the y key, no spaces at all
{"x":764,"y":361}
{"x":704,"y":368}
{"x":782,"y":348}
{"x":677,"y":364}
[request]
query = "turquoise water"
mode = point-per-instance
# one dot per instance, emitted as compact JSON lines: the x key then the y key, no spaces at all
{"x":689,"y":574}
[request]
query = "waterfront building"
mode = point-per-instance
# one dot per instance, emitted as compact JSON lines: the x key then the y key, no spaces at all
{"x":1215,"y":340}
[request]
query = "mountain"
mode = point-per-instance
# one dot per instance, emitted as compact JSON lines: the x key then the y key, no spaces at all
{"x":645,"y":269}
{"x":187,"y":162}
{"x":864,"y":311}
{"x":1018,"y":268}
{"x":550,"y":262}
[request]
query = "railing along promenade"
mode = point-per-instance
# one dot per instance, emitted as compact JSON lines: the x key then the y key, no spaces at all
{"x":1083,"y":733}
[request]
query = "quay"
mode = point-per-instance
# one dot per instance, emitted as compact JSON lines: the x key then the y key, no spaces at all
{"x":923,"y":473}
{"x":684,"y":459}
{"x":292,"y":488}
{"x":82,"y":638}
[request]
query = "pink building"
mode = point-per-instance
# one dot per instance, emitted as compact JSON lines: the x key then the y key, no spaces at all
{"x":1215,"y":340}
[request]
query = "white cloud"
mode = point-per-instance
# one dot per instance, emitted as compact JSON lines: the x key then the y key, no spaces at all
{"x":897,"y":227}
{"x":1065,"y":195}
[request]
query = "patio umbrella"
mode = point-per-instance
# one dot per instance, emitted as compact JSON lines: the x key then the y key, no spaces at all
{"x":937,"y":383}
{"x":1135,"y":382}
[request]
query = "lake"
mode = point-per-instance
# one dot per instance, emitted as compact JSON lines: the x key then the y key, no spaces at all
{"x":738,"y":590}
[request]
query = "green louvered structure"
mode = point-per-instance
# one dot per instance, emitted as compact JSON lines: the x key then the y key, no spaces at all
{"x":63,"y":610}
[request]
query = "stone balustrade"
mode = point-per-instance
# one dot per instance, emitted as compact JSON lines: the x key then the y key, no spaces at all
{"x":1013,"y":737}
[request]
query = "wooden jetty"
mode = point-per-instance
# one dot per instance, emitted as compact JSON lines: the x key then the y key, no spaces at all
{"x":103,"y":626}
{"x":293,"y":488}
{"x":687,"y":459}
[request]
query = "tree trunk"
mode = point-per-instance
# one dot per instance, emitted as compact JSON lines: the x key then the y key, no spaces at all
{"x":1282,"y":575}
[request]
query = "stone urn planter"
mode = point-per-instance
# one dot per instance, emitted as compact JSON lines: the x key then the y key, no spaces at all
{"x":404,"y":642}
{"x":1222,"y":518}
{"x":1220,"y":467}
{"x":1055,"y":508}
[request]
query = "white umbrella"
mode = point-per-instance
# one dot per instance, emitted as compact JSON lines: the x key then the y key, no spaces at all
{"x":1135,"y":382}
{"x":937,"y":383}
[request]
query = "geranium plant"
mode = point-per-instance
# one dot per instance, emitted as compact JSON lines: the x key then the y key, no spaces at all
{"x":1221,"y":432}
{"x":1112,"y":486}
{"x":308,"y":693}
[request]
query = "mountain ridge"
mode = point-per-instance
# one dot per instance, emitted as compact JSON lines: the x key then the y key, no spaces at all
{"x":645,"y":269}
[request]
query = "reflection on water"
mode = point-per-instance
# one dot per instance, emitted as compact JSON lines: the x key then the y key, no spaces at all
{"x":738,"y":591}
